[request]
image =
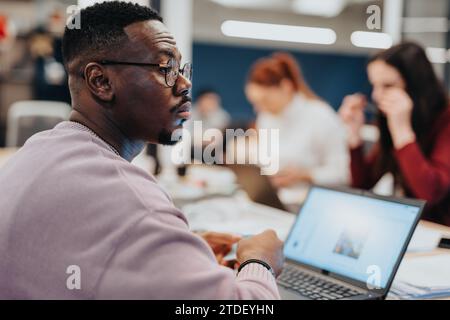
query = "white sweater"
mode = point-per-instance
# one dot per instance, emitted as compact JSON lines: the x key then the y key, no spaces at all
{"x":312,"y":137}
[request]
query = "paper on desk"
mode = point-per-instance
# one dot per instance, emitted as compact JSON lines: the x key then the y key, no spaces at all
{"x":424,"y":239}
{"x":237,"y":216}
{"x":426,"y":272}
{"x":405,"y":291}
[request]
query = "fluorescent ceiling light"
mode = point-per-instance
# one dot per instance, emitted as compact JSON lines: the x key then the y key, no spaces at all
{"x":278,"y":32}
{"x":324,"y":8}
{"x":375,"y":40}
{"x":437,"y":55}
{"x":246,"y":3}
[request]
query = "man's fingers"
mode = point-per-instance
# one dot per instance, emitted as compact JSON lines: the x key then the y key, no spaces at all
{"x":229,"y":263}
{"x":226,"y":238}
{"x":224,"y":249}
{"x":221,"y":238}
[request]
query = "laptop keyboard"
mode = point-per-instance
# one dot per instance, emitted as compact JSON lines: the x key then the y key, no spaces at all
{"x":313,"y":287}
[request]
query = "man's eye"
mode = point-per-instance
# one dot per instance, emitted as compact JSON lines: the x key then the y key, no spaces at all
{"x":164,"y":70}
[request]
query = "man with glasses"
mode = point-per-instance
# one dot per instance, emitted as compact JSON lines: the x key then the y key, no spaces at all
{"x":78,"y":221}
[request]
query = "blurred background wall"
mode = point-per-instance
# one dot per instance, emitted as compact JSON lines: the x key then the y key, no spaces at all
{"x":221,"y":62}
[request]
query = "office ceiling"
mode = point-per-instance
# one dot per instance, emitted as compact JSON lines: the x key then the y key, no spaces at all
{"x":324,"y":8}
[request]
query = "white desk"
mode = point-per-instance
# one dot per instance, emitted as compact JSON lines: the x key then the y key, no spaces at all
{"x":238,"y":215}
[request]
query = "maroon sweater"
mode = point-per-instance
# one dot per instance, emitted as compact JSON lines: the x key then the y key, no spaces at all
{"x":425,"y":177}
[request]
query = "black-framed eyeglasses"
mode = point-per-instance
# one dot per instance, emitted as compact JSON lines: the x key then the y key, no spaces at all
{"x":171,"y":69}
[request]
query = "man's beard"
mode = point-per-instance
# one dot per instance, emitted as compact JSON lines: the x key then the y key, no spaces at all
{"x":165,"y":137}
{"x":168,"y":138}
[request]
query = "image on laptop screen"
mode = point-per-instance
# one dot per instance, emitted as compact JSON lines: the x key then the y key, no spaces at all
{"x":350,"y":234}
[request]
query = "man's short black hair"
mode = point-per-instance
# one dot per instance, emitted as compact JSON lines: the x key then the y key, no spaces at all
{"x":102,"y":28}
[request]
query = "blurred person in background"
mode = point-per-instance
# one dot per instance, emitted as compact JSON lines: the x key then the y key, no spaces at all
{"x":209,"y":112}
{"x":50,"y":79}
{"x":312,"y":145}
{"x":414,"y":125}
{"x":208,"y":109}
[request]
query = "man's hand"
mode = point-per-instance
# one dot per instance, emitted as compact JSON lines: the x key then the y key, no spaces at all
{"x":264,"y":246}
{"x":220,"y":244}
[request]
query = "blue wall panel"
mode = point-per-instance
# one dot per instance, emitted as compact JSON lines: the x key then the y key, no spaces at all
{"x":224,"y":68}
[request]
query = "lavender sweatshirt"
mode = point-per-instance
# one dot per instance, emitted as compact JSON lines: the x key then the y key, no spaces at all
{"x":79,"y":222}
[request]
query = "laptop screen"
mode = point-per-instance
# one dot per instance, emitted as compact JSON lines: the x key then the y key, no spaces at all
{"x":350,"y":235}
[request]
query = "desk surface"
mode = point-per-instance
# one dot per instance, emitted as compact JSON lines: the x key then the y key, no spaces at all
{"x":444,"y":230}
{"x":268,"y":217}
{"x":238,"y":216}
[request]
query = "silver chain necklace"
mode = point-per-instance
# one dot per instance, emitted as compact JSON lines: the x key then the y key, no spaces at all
{"x":96,"y":135}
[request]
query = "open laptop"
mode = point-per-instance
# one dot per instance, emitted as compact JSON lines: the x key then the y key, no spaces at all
{"x":346,"y":244}
{"x":258,"y":186}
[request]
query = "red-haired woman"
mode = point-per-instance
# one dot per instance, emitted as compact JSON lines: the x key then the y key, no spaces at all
{"x":312,"y":145}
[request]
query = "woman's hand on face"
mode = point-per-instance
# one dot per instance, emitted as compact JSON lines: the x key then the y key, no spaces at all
{"x":352,"y":114}
{"x":397,"y":106}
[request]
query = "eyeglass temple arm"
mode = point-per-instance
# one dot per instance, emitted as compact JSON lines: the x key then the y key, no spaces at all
{"x":105,"y":62}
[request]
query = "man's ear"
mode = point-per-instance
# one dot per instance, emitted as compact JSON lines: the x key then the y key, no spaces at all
{"x":98,"y":81}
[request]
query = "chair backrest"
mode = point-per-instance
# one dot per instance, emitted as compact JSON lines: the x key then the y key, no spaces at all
{"x":26,"y":118}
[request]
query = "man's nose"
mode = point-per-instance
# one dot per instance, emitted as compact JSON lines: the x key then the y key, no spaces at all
{"x":182,"y":86}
